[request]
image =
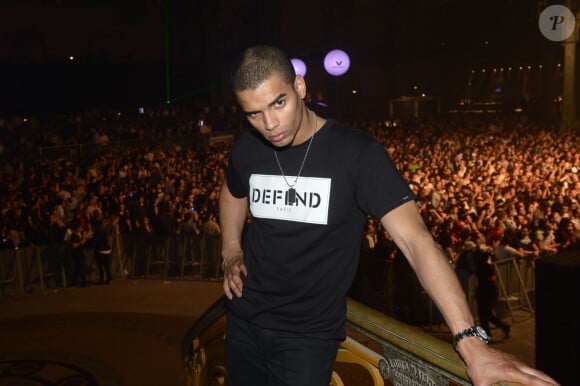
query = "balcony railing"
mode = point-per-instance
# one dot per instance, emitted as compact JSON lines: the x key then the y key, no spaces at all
{"x":409,"y":355}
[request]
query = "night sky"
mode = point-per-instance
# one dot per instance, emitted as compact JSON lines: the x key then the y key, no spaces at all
{"x":119,"y":50}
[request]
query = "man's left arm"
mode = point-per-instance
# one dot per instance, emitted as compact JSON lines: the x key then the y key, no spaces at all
{"x":484,"y":365}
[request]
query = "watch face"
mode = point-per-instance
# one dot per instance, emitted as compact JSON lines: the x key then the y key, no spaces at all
{"x":482,"y":332}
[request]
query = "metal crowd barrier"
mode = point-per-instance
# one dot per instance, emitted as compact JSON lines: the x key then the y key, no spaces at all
{"x":516,"y":284}
{"x":39,"y":267}
{"x":24,"y":268}
{"x":170,"y":256}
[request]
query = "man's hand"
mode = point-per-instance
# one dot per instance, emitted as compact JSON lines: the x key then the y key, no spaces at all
{"x":491,"y":366}
{"x":233,"y":268}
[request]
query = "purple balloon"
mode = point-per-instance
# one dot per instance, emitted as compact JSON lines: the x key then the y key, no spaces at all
{"x":336,"y":62}
{"x":299,"y":66}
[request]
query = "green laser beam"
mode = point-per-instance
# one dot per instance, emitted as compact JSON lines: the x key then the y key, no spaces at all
{"x":167,"y":50}
{"x":167,"y":47}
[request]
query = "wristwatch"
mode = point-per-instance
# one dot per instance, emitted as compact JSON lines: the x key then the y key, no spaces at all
{"x":476,"y":331}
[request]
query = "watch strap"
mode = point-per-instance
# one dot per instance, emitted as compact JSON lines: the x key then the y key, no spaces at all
{"x":476,"y":331}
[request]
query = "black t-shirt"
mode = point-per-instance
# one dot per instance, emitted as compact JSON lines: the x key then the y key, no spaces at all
{"x":302,"y":257}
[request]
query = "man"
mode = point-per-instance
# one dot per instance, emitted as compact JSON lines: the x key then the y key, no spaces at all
{"x":465,"y":265}
{"x":309,"y":184}
{"x":210,"y":231}
{"x":486,"y":291}
{"x":77,"y":241}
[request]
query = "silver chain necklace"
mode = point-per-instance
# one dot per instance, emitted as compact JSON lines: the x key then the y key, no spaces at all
{"x":291,"y":194}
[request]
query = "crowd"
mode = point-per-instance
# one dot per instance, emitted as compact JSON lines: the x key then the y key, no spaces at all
{"x":480,"y":180}
{"x":490,"y":189}
{"x":150,"y":176}
{"x":488,"y":180}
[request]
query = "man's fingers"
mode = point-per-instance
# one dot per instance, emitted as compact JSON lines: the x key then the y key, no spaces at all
{"x":233,"y":283}
{"x":538,"y":377}
{"x":227,"y":291}
{"x":237,"y":285}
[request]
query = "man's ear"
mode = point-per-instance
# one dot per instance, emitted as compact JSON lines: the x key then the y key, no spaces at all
{"x":300,"y":86}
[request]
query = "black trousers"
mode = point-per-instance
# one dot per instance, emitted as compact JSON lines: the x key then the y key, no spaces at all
{"x":486,"y":301}
{"x":79,"y":276}
{"x":262,"y":357}
{"x":103,"y":261}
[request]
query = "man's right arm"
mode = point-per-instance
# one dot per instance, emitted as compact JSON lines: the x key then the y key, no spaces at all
{"x":233,"y":213}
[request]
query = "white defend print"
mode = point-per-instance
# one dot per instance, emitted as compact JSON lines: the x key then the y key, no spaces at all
{"x":269,"y":198}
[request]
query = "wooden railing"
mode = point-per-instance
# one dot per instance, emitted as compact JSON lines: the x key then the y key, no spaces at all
{"x":409,"y":355}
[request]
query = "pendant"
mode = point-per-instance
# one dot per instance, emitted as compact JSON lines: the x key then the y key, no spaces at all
{"x":291,"y":196}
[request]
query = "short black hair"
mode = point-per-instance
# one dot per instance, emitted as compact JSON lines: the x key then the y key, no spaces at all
{"x":258,"y":63}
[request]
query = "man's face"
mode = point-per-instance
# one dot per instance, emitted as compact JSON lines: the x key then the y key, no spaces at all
{"x":276,"y":110}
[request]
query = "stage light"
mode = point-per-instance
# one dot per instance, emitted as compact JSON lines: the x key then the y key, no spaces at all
{"x":299,"y":66}
{"x":336,"y":62}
